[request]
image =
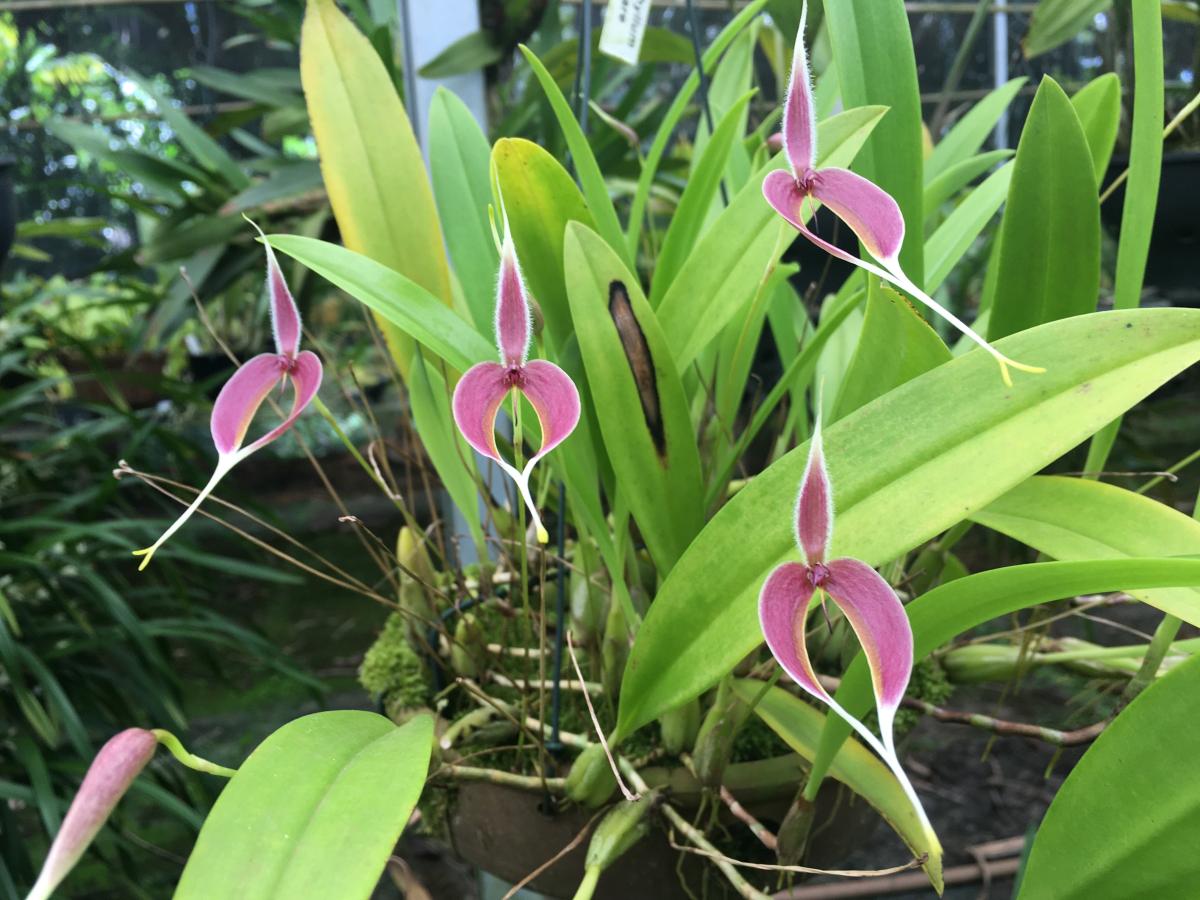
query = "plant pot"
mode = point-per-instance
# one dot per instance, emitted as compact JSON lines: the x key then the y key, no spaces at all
{"x":507,"y":831}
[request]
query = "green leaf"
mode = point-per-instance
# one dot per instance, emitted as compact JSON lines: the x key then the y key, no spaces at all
{"x":195,"y":140}
{"x":890,"y":464}
{"x":639,"y":400}
{"x":965,"y":603}
{"x":729,"y":260}
{"x":591,"y":180}
{"x":474,"y":51}
{"x":246,"y":85}
{"x":800,"y":724}
{"x":895,"y":346}
{"x":175,"y":241}
{"x":373,"y":168}
{"x":1126,"y":822}
{"x":876,"y":66}
{"x":1049,"y":253}
{"x":1098,"y":105}
{"x":675,"y":112}
{"x":954,"y":236}
{"x":940,"y":189}
{"x":968,"y":134}
{"x":287,"y":183}
{"x":458,"y":164}
{"x":314,"y":812}
{"x":403,"y":304}
{"x":1055,"y":22}
{"x":541,"y":199}
{"x":1076,"y":518}
{"x":702,"y":184}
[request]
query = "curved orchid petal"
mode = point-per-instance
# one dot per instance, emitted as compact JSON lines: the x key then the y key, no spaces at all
{"x":513,"y":325}
{"x":814,"y":505}
{"x":108,"y":778}
{"x":869,"y":210}
{"x":799,"y":112}
{"x":555,"y":399}
{"x":878,"y":619}
{"x":241,"y":397}
{"x":477,"y":399}
{"x":285,"y":315}
{"x":782,"y":611}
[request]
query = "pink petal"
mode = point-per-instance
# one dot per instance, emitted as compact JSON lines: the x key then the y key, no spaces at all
{"x":285,"y":316}
{"x":878,"y":619}
{"x":305,"y":373}
{"x":477,"y":398}
{"x":555,"y":399}
{"x":512,"y":308}
{"x":799,"y":113}
{"x":241,"y":397}
{"x":782,"y":611}
{"x":814,"y":505}
{"x":869,"y":210}
{"x":108,"y":778}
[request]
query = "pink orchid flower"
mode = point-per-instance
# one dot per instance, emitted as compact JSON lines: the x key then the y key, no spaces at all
{"x":484,"y":387}
{"x":865,"y":599}
{"x":108,"y":778}
{"x":249,"y":386}
{"x":870,"y":211}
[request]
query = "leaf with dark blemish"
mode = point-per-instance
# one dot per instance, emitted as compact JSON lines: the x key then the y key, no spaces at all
{"x":641,"y":363}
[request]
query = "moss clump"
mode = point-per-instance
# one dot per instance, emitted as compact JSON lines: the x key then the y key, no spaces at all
{"x":392,"y":670}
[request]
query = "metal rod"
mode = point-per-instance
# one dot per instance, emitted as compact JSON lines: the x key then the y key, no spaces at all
{"x":694,"y":28}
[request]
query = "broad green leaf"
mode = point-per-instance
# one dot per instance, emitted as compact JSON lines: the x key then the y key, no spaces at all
{"x":159,"y":174}
{"x":638,"y":397}
{"x":474,"y":51}
{"x":404,"y":305}
{"x":541,"y":199}
{"x":968,"y":134}
{"x":876,"y":65}
{"x":1055,"y":22}
{"x":1098,"y":105}
{"x":954,"y":236}
{"x":1076,"y":518}
{"x":965,"y":603}
{"x":675,"y":112}
{"x":591,"y":179}
{"x":373,"y":168}
{"x":1126,"y":822}
{"x":458,"y":164}
{"x":904,"y":469}
{"x":195,"y":140}
{"x":314,"y":812}
{"x":800,"y":724}
{"x":895,"y":346}
{"x":286,"y":183}
{"x":940,"y":189}
{"x":731,"y":257}
{"x":1049,"y":252}
{"x":702,"y":184}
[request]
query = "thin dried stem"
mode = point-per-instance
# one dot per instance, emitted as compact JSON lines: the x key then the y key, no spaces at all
{"x":714,"y":854}
{"x":571,"y":845}
{"x":629,"y":795}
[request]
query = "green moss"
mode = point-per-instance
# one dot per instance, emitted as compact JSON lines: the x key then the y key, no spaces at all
{"x":392,"y":670}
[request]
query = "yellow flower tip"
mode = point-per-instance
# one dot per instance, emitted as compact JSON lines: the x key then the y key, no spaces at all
{"x":543,"y":536}
{"x":1006,"y":363}
{"x":148,"y":553}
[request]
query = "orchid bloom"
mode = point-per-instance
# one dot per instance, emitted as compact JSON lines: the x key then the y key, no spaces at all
{"x":868,"y":603}
{"x":867,"y":209}
{"x":484,"y":387}
{"x":108,"y":778}
{"x":249,"y":386}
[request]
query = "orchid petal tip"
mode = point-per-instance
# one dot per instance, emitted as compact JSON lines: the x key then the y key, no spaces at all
{"x":543,"y":536}
{"x":148,"y":553}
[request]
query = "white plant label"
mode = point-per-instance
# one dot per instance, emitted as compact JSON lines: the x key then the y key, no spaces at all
{"x":624,"y":27}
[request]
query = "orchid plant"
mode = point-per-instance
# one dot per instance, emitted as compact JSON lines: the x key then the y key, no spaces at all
{"x":485,"y":386}
{"x":663,"y":554}
{"x":247,"y":389}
